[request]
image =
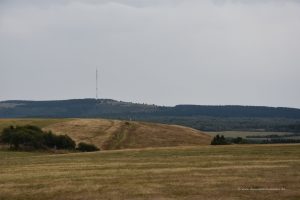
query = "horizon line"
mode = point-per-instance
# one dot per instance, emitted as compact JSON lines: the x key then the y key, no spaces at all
{"x":183,"y":104}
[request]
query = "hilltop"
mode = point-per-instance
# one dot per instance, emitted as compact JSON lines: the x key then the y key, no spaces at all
{"x":117,"y":134}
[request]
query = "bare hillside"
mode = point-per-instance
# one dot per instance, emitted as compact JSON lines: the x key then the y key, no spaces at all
{"x":115,"y":134}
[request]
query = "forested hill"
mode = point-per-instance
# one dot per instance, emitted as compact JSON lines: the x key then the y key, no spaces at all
{"x":233,"y":111}
{"x":74,"y":108}
{"x":108,"y":107}
{"x":196,"y":116}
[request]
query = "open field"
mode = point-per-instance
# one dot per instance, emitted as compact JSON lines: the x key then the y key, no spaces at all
{"x":116,"y":134}
{"x":203,"y":172}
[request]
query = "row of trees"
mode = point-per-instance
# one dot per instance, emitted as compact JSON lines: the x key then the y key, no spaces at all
{"x":221,"y":140}
{"x":32,"y":137}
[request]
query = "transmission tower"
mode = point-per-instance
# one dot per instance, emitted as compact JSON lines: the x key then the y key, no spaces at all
{"x":96,"y":84}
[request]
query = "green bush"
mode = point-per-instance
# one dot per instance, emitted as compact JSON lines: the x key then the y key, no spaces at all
{"x":64,"y":142}
{"x":219,"y":140}
{"x":27,"y":136}
{"x":86,"y":147}
{"x":33,"y":137}
{"x":50,"y":139}
{"x":239,"y":140}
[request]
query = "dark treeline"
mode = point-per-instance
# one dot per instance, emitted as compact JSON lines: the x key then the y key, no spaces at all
{"x":206,"y":118}
{"x":232,"y":124}
{"x":33,"y":137}
{"x":274,"y":136}
{"x":221,"y":140}
{"x":30,"y":137}
{"x":280,"y":141}
{"x":108,"y":107}
{"x":233,"y":111}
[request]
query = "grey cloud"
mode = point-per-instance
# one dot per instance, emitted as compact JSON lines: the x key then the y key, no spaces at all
{"x":169,"y":52}
{"x":136,"y":3}
{"x":48,"y":3}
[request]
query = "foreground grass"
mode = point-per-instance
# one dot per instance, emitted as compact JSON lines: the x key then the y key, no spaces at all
{"x":207,"y":172}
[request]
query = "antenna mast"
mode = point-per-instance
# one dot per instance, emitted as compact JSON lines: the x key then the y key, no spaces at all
{"x":96,"y":84}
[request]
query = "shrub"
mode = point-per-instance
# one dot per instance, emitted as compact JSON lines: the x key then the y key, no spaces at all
{"x":50,"y":139}
{"x":239,"y":140}
{"x":64,"y":142}
{"x":219,"y":140}
{"x":87,"y":147}
{"x":28,"y":136}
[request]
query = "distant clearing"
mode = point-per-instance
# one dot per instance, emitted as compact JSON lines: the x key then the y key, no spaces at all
{"x":243,"y":134}
{"x":116,"y":134}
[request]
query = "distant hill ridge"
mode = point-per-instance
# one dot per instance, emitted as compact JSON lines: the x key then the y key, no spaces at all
{"x":201,"y":117}
{"x":119,"y":109}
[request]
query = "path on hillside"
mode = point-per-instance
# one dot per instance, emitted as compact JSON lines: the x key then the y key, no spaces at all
{"x":116,"y":134}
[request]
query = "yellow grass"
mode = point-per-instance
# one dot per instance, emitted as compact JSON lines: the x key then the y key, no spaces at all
{"x":37,"y":122}
{"x":116,"y":134}
{"x":200,"y":172}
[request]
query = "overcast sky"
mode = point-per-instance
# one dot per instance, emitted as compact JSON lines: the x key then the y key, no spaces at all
{"x":163,"y":52}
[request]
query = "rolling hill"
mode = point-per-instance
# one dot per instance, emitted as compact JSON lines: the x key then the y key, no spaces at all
{"x":117,"y":134}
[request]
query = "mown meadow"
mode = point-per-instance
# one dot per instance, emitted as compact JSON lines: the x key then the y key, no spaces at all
{"x":199,"y":172}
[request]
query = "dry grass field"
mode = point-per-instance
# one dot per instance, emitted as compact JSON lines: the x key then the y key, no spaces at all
{"x":37,"y":122}
{"x":200,"y":172}
{"x":116,"y":134}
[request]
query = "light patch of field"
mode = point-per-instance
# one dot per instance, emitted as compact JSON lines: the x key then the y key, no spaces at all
{"x":243,"y":134}
{"x":36,"y":122}
{"x":116,"y":134}
{"x":199,"y":172}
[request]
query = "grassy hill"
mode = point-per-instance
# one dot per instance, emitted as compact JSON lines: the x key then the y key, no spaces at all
{"x":117,"y":134}
{"x":249,"y":172}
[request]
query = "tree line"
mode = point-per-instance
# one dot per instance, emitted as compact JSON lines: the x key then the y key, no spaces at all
{"x":30,"y":137}
{"x":221,"y":140}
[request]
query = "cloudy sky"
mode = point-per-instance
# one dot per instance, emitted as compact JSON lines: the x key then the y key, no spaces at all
{"x":164,"y":52}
